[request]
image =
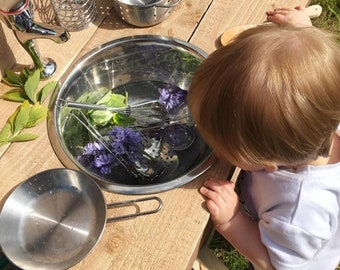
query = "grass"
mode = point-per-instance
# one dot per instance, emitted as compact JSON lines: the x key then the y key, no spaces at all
{"x":330,"y":16}
{"x":330,"y":21}
{"x":227,"y":254}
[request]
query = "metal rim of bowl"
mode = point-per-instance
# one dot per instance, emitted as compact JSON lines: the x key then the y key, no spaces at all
{"x":153,"y":4}
{"x":69,"y":161}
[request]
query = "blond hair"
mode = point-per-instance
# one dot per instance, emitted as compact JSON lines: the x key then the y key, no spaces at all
{"x":273,"y":94}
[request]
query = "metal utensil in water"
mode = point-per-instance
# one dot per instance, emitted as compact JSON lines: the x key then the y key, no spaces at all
{"x":179,"y":136}
{"x":161,"y":159}
{"x":126,"y":110}
{"x":148,"y":115}
{"x":167,"y":159}
{"x":56,"y":217}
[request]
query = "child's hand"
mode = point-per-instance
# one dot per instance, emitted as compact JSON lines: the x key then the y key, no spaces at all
{"x":296,"y":17}
{"x":221,"y":200}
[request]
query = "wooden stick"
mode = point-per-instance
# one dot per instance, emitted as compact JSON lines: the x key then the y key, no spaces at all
{"x":233,"y":174}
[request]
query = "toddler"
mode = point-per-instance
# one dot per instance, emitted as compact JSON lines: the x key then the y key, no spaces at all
{"x":269,"y":103}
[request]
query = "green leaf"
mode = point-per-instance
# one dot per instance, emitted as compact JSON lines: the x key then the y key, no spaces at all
{"x":123,"y":120}
{"x":101,"y":118}
{"x":91,"y":97}
{"x":13,"y":79}
{"x":24,"y":74}
{"x":5,"y":132}
{"x":31,"y":85}
{"x":46,"y":90}
{"x":15,"y":95}
{"x":4,"y":143}
{"x":5,"y":80}
{"x":24,"y":137}
{"x":22,"y":117}
{"x":11,"y":119}
{"x":113,"y":100}
{"x":37,"y":114}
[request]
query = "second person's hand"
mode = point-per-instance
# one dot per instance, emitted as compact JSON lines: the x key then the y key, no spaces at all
{"x":296,"y":17}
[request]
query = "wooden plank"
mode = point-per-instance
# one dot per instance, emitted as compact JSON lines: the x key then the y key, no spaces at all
{"x":223,"y":14}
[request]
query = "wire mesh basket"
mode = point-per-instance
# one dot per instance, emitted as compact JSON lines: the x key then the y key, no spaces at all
{"x":75,"y":15}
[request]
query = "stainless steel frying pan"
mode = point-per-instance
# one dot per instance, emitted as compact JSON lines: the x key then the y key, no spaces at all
{"x":55,"y":218}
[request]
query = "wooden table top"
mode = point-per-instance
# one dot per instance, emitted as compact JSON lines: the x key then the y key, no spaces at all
{"x":171,"y":238}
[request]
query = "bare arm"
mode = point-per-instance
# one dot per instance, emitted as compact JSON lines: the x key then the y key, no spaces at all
{"x":296,"y":17}
{"x":233,"y":224}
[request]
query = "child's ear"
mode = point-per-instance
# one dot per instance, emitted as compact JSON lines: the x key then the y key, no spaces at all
{"x":270,"y":167}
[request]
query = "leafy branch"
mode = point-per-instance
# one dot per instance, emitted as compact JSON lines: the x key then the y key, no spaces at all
{"x":31,"y":112}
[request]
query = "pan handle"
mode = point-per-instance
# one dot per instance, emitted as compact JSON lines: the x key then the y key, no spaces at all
{"x":133,"y":203}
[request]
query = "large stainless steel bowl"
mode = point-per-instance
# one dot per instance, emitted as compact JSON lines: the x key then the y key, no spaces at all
{"x":128,"y":63}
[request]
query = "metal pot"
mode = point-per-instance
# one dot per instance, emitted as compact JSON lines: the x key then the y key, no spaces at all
{"x":55,"y":218}
{"x":144,"y":13}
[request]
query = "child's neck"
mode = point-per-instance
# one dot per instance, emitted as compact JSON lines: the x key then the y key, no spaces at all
{"x":320,"y":161}
{"x":334,"y":154}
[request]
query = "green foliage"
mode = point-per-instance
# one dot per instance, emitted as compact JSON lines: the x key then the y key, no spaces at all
{"x":31,"y":86}
{"x":330,"y":16}
{"x":24,"y":117}
{"x":26,"y":87}
{"x":103,"y":118}
{"x":109,"y":99}
{"x":31,"y":112}
{"x":227,"y":254}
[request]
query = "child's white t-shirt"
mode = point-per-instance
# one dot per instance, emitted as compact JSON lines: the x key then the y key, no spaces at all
{"x":298,"y":213}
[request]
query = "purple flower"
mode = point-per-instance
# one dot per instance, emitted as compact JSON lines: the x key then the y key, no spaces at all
{"x":102,"y":160}
{"x":104,"y":163}
{"x":169,"y":98}
{"x":127,"y":143}
{"x":97,"y":157}
{"x":93,"y":148}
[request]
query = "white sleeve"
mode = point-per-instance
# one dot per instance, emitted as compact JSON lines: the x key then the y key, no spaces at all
{"x":289,"y":247}
{"x":293,"y":241}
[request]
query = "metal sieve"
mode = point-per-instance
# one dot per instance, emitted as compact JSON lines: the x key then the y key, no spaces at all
{"x":144,"y":13}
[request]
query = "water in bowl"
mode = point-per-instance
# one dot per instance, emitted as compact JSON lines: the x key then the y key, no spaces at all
{"x":177,"y":132}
